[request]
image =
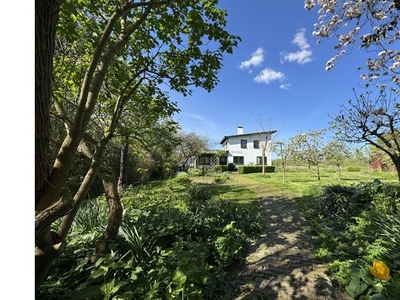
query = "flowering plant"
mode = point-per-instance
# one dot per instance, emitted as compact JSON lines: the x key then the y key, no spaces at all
{"x":373,"y":282}
{"x":380,"y":270}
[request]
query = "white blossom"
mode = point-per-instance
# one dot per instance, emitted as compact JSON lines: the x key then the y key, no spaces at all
{"x":309,"y":4}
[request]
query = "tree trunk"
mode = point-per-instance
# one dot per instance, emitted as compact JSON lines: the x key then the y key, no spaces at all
{"x":114,"y":218}
{"x":46,"y":17}
{"x":263,"y":160}
{"x":83,"y":190}
{"x":396,"y":161}
{"x":340,"y":172}
{"x":48,"y":245}
{"x":123,"y":165}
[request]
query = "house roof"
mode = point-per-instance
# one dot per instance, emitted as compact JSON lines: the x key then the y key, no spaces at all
{"x":246,"y":134}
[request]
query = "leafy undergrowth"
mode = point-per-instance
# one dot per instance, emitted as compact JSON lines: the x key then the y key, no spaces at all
{"x":177,"y":241}
{"x":358,"y":225}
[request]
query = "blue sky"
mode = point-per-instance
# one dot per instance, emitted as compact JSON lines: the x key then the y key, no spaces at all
{"x":275,"y":76}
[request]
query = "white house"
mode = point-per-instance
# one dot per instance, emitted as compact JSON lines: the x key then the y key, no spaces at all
{"x":246,"y":148}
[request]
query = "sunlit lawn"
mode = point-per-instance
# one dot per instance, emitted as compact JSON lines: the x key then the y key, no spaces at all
{"x":297,"y":183}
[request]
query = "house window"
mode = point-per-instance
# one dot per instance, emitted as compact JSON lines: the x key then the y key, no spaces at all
{"x":238,"y":160}
{"x":259,"y":160}
{"x":243,"y":143}
{"x":256,"y":144}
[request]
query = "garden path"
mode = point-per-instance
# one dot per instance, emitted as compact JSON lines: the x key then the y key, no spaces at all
{"x":281,"y":263}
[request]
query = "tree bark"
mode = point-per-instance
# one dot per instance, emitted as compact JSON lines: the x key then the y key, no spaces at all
{"x":396,"y":161}
{"x":46,"y":16}
{"x":123,"y":165}
{"x":114,"y":218}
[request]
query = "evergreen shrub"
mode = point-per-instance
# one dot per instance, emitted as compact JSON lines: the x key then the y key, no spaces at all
{"x":232,"y":167}
{"x":220,"y":168}
{"x":255,"y":169}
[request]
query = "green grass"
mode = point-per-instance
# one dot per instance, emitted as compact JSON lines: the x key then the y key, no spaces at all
{"x":298,"y":182}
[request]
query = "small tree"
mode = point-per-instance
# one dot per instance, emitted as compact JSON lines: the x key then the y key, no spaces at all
{"x":283,"y":150}
{"x":309,"y":148}
{"x":177,"y":43}
{"x":265,"y":126}
{"x":375,"y":121}
{"x":337,"y":151}
{"x":191,"y":145}
{"x":363,"y":155}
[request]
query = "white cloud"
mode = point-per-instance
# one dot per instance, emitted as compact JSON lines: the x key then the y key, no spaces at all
{"x":285,"y":86}
{"x":304,"y":55}
{"x":268,"y":75}
{"x":196,"y":117}
{"x":255,"y":60}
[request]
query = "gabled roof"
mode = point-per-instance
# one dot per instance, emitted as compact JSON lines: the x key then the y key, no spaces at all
{"x":246,"y":134}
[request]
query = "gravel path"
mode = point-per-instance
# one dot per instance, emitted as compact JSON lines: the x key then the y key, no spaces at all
{"x":281,"y":262}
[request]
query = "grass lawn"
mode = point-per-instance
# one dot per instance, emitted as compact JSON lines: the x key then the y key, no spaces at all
{"x":298,"y":183}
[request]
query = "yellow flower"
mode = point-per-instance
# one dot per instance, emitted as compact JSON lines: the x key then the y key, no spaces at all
{"x":380,"y":270}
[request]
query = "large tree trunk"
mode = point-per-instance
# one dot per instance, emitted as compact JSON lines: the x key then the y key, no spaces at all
{"x":114,"y":218}
{"x":46,"y":16}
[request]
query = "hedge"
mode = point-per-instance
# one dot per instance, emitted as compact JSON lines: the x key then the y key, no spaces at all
{"x":255,"y":169}
{"x":220,"y":168}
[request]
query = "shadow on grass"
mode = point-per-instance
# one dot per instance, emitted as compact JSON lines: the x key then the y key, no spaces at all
{"x":281,"y":263}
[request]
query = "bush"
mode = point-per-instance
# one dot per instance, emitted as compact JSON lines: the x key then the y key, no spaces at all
{"x":195,"y":172}
{"x":269,"y":169}
{"x":232,"y":167}
{"x":220,"y":168}
{"x":182,"y":178}
{"x":221,"y":178}
{"x":353,"y":169}
{"x":197,"y":196}
{"x":359,"y":225}
{"x":255,"y":169}
{"x":162,"y":251}
{"x":249,"y":169}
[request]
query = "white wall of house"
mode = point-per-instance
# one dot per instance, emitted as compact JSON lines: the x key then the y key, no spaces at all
{"x":246,"y":149}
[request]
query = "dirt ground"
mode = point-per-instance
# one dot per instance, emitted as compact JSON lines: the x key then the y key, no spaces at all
{"x":281,"y":262}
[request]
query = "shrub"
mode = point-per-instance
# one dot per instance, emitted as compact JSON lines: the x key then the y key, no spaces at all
{"x":359,"y":225}
{"x":198,"y":195}
{"x":255,"y":169}
{"x":249,"y":169}
{"x":217,"y":169}
{"x":162,"y":251}
{"x":220,"y":168}
{"x":221,"y":178}
{"x":269,"y":169}
{"x":92,"y":215}
{"x":195,"y":172}
{"x":182,"y":178}
{"x":230,"y":245}
{"x":353,"y":169}
{"x":232,"y":167}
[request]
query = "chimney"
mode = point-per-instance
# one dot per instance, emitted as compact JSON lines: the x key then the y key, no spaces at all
{"x":240,"y":129}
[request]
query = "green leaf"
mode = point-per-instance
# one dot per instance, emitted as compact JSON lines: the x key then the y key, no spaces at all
{"x":393,"y":287}
{"x":89,"y":292}
{"x":98,"y":273}
{"x":179,"y":277}
{"x":379,"y":296}
{"x":356,"y":287}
